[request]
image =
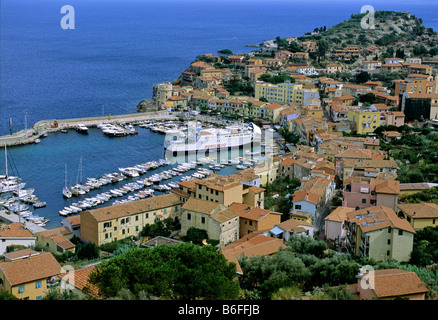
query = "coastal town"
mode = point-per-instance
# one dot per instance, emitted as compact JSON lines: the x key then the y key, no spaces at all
{"x":343,"y":208}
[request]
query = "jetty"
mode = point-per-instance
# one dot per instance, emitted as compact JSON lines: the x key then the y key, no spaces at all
{"x":44,"y":127}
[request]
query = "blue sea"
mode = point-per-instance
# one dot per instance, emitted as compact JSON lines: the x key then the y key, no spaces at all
{"x":108,"y":63}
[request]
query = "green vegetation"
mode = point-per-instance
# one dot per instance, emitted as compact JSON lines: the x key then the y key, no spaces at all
{"x":239,"y":86}
{"x":184,"y":271}
{"x":425,"y":251}
{"x":160,"y":228}
{"x":416,"y":153}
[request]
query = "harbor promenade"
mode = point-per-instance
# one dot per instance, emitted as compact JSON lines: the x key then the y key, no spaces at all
{"x":43,"y":127}
{"x":11,"y":217}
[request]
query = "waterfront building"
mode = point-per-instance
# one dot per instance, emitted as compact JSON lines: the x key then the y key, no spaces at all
{"x":15,"y":234}
{"x":161,"y":93}
{"x":28,"y":274}
{"x":120,"y":221}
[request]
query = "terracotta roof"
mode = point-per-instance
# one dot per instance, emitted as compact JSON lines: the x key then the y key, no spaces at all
{"x":396,"y":282}
{"x":202,"y":206}
{"x":385,"y":186}
{"x":15,"y":229}
{"x":378,"y":217}
{"x":224,"y":215}
{"x":249,"y":212}
{"x":339,"y":214}
{"x":40,"y":266}
{"x":134,"y":207}
{"x":292,"y":224}
{"x":419,"y":210}
{"x":79,"y":279}
{"x":74,"y":220}
{"x":218,"y":182}
{"x":302,"y":195}
{"x":251,"y":245}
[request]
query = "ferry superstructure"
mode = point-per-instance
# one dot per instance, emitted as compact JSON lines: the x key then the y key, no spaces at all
{"x":201,"y":140}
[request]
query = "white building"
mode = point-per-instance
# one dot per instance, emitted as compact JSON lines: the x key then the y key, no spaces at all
{"x":15,"y":234}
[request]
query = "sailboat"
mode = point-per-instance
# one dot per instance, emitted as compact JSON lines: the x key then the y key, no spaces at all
{"x":66,"y":190}
{"x":10,"y":183}
{"x":78,"y":189}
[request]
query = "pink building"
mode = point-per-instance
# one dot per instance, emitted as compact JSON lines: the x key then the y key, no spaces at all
{"x":377,"y":192}
{"x":395,"y":118}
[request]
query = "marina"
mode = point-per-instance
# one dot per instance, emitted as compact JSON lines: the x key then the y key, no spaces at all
{"x":98,"y":169}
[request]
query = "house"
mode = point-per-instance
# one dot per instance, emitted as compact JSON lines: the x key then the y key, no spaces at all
{"x":419,"y":215}
{"x":366,"y":119}
{"x":73,"y":223}
{"x":76,"y":282}
{"x":371,"y":65}
{"x":394,"y":118}
{"x":15,"y":234}
{"x":389,"y":284}
{"x":290,"y":227}
{"x":377,"y":233}
{"x":219,"y":189}
{"x":220,"y":223}
{"x":333,"y":67}
{"x":334,"y":223}
{"x":411,"y":188}
{"x":28,"y":274}
{"x":283,"y":55}
{"x":390,"y":136}
{"x":120,"y":221}
{"x":253,"y":244}
{"x":362,"y":194}
{"x":56,"y":240}
{"x":306,"y":201}
{"x":254,"y":219}
{"x":271,"y":112}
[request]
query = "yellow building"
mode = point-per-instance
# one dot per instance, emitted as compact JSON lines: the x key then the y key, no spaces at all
{"x":254,"y":219}
{"x":219,"y":189}
{"x":366,"y":119}
{"x":56,"y":240}
{"x":280,"y":93}
{"x":271,"y":112}
{"x":377,"y":233}
{"x":313,"y":111}
{"x":124,"y":220}
{"x":419,"y":215}
{"x":28,"y":274}
{"x":217,"y":220}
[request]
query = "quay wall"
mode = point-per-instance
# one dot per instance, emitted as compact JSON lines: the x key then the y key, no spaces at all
{"x":43,"y":127}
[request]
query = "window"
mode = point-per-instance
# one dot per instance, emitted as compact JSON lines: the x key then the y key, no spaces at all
{"x":400,"y":232}
{"x":21,"y":289}
{"x":189,"y":216}
{"x":298,"y":206}
{"x":38,"y":284}
{"x":136,"y":218}
{"x":202,"y":219}
{"x":364,"y":200}
{"x":389,"y":241}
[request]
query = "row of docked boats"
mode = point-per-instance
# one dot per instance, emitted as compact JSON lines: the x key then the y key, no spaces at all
{"x":117,"y":130}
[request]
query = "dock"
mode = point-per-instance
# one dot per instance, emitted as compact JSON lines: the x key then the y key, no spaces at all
{"x":44,"y":127}
{"x":11,"y":217}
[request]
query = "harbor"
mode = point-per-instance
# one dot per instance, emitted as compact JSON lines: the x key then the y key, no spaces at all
{"x":100,"y":169}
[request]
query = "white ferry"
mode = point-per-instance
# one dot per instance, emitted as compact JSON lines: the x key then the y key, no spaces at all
{"x":199,"y":139}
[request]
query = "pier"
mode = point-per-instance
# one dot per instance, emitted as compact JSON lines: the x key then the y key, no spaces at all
{"x":44,"y":127}
{"x":12,"y":217}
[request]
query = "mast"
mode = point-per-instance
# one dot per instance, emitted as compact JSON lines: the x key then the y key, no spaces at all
{"x":6,"y":161}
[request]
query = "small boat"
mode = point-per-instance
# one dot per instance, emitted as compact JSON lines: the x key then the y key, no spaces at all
{"x":81,"y":128}
{"x":37,"y":141}
{"x":39,"y":204}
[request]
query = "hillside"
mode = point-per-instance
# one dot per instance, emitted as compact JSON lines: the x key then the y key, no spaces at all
{"x":393,"y":30}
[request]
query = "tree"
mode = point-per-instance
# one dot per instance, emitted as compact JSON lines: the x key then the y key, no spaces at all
{"x":362,"y":77}
{"x":225,"y":52}
{"x":196,"y":235}
{"x":180,"y":272}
